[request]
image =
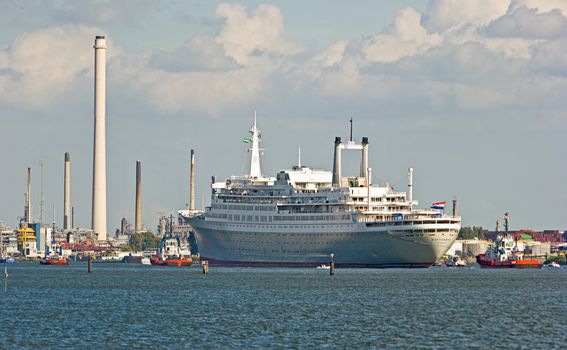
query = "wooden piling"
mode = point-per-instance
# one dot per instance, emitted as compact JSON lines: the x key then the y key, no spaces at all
{"x":332,"y":269}
{"x":90,"y":264}
{"x":6,"y":278}
{"x":205,"y":266}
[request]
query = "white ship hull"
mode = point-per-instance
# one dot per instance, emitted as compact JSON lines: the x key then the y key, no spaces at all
{"x":354,"y":244}
{"x":302,"y":216}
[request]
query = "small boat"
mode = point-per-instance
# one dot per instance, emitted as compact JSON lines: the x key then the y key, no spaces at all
{"x":8,"y":260}
{"x":132,"y":259}
{"x":171,"y":253}
{"x":324,"y":267}
{"x":57,"y":260}
{"x":456,"y":261}
{"x":145,"y":261}
{"x":553,"y":264}
{"x":506,"y":253}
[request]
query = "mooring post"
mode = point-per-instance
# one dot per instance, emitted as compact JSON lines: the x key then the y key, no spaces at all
{"x":332,"y":269}
{"x":90,"y":264}
{"x":205,"y":265}
{"x":6,"y":278}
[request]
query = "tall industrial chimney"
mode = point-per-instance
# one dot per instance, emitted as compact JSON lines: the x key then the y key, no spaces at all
{"x":27,"y":213}
{"x":138,"y":219}
{"x":99,"y":157}
{"x":192,"y":183}
{"x":67,"y":193}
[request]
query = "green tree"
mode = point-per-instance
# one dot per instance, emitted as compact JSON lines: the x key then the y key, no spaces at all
{"x":143,"y":240}
{"x":468,"y":232}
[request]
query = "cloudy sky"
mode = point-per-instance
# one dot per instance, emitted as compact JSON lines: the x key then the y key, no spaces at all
{"x":471,"y":94}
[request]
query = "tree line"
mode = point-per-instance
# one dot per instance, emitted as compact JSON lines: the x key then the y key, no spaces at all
{"x":471,"y":232}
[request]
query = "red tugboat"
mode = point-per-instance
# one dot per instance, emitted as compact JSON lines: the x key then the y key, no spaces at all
{"x":53,"y":253}
{"x":54,"y":261}
{"x":171,"y":252}
{"x":506,"y":253}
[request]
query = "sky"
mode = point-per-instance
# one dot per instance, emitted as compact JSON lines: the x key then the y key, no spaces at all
{"x":471,"y":94}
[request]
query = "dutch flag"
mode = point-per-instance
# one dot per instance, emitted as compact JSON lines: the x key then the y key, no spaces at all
{"x":438,"y":205}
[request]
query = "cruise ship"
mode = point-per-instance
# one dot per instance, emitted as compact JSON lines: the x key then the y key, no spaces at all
{"x":302,"y":215}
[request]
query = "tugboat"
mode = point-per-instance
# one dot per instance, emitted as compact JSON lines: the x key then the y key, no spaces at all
{"x":53,"y":254}
{"x":171,"y":253}
{"x":506,"y":253}
{"x":54,"y":260}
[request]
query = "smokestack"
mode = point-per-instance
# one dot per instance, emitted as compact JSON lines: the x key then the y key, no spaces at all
{"x":138,"y":220}
{"x":337,"y":163}
{"x":364,"y":160}
{"x":99,"y":156}
{"x":27,"y":214}
{"x":192,"y":183}
{"x":67,"y":193}
{"x":410,"y":185}
{"x":455,"y":208}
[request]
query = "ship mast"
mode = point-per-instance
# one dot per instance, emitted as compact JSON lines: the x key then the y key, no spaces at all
{"x":255,"y":171}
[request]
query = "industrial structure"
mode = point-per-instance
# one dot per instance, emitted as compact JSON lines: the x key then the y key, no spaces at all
{"x":67,"y":193}
{"x":99,"y":149}
{"x":138,"y":219}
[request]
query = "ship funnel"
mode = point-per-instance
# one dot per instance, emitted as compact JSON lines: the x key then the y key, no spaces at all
{"x":455,"y":209}
{"x":364,"y":160}
{"x":337,"y":163}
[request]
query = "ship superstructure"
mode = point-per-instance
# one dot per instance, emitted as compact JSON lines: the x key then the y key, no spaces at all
{"x":302,"y":215}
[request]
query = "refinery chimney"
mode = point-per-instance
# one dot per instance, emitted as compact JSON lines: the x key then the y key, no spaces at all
{"x":192,"y":183}
{"x":138,"y":219}
{"x":67,"y":193}
{"x":99,"y":152}
{"x":27,"y":212}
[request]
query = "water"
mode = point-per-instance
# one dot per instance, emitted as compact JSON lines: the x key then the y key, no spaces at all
{"x":121,"y":306}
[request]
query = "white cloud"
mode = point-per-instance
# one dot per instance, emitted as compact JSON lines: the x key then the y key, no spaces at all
{"x":261,"y":32}
{"x":549,"y":56}
{"x":208,"y":91}
{"x":444,"y":15}
{"x":42,"y":65}
{"x":543,"y":6}
{"x":407,"y":38}
{"x":475,"y":62}
{"x":527,"y":23}
{"x":333,"y":55}
{"x":343,"y":79}
{"x":198,"y":54}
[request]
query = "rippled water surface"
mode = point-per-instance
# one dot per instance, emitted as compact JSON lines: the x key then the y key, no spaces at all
{"x":123,"y":306}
